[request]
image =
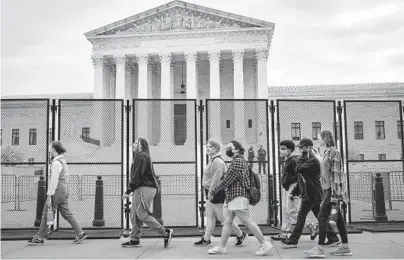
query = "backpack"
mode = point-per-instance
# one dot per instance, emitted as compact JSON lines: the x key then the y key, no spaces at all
{"x":255,"y":189}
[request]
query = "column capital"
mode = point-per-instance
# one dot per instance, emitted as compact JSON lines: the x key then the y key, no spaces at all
{"x":142,"y":58}
{"x":237,"y":55}
{"x":120,"y":59}
{"x":110,"y":67}
{"x":191,"y":56}
{"x":214,"y":56}
{"x":97,"y":60}
{"x":165,"y":58}
{"x":150,"y":66}
{"x":261,"y":54}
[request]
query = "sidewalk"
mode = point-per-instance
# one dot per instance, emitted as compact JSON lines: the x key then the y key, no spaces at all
{"x":364,"y":246}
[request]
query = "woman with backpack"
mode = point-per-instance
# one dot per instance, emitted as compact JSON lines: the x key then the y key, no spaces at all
{"x":212,"y":175}
{"x":334,"y":184}
{"x":237,"y":186}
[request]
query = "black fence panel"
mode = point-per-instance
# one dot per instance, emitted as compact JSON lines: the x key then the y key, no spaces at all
{"x":169,"y":126}
{"x":92,"y":132}
{"x":247,"y":122}
{"x":24,"y":158}
{"x":374,"y":144}
{"x":298,"y":119}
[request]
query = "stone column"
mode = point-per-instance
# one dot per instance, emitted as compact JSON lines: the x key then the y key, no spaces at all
{"x":239,"y":122}
{"x":215,"y":130}
{"x":191,"y":93}
{"x":120,"y":61}
{"x":150,"y":80}
{"x":167,"y":126}
{"x":262,"y":86}
{"x":143,"y":74}
{"x":98,"y":62}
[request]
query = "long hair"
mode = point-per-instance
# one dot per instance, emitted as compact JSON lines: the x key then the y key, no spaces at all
{"x":328,"y":137}
{"x":145,"y":147}
{"x":57,"y":145}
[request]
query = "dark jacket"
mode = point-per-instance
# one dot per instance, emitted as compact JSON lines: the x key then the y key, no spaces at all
{"x":289,"y":174}
{"x":141,"y":173}
{"x":309,"y":185}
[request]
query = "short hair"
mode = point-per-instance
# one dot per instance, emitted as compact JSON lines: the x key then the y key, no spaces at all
{"x":238,"y":146}
{"x":328,"y":137}
{"x":289,"y":144}
{"x":57,"y":145}
{"x":215,"y":144}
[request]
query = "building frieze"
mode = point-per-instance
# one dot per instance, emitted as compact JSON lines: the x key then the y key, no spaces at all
{"x":222,"y":37}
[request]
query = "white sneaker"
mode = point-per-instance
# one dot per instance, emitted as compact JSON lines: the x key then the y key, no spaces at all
{"x":217,"y":250}
{"x":264,"y":249}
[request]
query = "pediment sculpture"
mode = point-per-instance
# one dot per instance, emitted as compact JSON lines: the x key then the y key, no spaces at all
{"x":179,"y":19}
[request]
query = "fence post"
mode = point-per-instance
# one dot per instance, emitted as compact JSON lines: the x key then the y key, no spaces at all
{"x":157,"y":203}
{"x":40,"y":201}
{"x":380,"y":203}
{"x":270,"y":218}
{"x":99,"y":203}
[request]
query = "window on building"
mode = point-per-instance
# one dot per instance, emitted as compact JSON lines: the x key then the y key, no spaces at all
{"x":336,"y":130}
{"x":380,"y":130}
{"x":382,"y":157}
{"x":31,"y":160}
{"x":358,"y":130}
{"x":15,"y":139}
{"x":399,"y":130}
{"x":361,"y":157}
{"x":296,"y":134}
{"x":32,"y":136}
{"x":85,"y":131}
{"x":227,"y":123}
{"x":249,"y":123}
{"x":316,"y":129}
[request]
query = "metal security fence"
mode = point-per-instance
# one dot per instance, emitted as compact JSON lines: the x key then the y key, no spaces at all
{"x":92,"y":132}
{"x":298,"y":119}
{"x":170,"y":126}
{"x":374,"y":145}
{"x":247,"y":122}
{"x":24,"y":156}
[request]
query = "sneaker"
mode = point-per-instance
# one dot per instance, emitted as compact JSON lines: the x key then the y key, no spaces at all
{"x":264,"y":249}
{"x":202,"y":242}
{"x":241,"y":239}
{"x":313,"y":231}
{"x":79,"y":238}
{"x":131,"y":243}
{"x":342,"y":251}
{"x":289,"y":243}
{"x":315,"y":252}
{"x":217,"y":250}
{"x":279,"y":237}
{"x":35,"y":241}
{"x":332,"y":242}
{"x":168,"y":234}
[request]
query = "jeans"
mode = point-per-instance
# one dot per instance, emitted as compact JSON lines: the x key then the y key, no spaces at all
{"x":142,"y":200}
{"x":60,"y":201}
{"x":325,"y":210}
{"x":304,"y":210}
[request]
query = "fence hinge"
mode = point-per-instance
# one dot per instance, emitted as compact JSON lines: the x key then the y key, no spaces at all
{"x":54,"y":108}
{"x":201,"y":108}
{"x":128,"y":109}
{"x":339,"y":110}
{"x":272,"y":108}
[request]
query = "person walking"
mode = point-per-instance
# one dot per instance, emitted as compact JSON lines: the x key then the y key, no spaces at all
{"x":334,"y":184}
{"x":58,"y":196}
{"x":251,"y":156}
{"x":262,"y":157}
{"x":212,"y":176}
{"x":236,"y":184}
{"x":144,"y":186}
{"x":290,"y":203}
{"x":309,"y":186}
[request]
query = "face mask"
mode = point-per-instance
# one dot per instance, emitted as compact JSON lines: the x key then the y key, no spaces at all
{"x":229,"y":152}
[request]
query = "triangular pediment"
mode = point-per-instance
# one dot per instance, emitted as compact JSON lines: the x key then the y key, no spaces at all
{"x":178,"y":16}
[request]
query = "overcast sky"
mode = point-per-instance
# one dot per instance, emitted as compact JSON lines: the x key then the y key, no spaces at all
{"x":43,"y":49}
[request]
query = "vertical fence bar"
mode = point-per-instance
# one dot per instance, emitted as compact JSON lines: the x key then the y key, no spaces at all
{"x":402,"y":134}
{"x":202,"y":207}
{"x":274,"y":129}
{"x":341,"y":149}
{"x":347,"y":163}
{"x":127,"y":160}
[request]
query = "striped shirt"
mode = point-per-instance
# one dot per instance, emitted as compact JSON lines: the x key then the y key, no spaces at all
{"x":236,"y":180}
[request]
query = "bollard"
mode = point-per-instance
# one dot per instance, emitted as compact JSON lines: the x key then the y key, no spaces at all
{"x":157,"y":203}
{"x":40,"y":201}
{"x":99,"y":203}
{"x":380,"y":203}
